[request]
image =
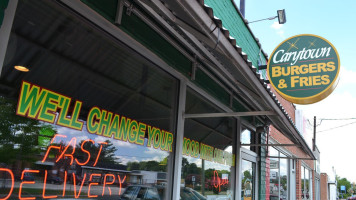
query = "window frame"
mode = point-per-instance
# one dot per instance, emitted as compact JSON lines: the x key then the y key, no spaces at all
{"x":94,"y":19}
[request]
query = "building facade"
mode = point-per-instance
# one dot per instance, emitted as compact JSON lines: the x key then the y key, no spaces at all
{"x":142,"y":100}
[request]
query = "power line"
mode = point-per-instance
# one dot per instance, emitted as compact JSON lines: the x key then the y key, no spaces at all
{"x":352,"y":118}
{"x":336,"y":119}
{"x":337,"y":127}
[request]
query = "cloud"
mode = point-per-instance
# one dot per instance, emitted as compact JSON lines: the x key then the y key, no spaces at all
{"x":347,"y":77}
{"x":124,"y":160}
{"x":156,"y":158}
{"x":278,"y":28}
{"x":281,"y":33}
{"x":157,"y":152}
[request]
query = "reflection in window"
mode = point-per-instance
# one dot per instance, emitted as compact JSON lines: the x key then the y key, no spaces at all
{"x":207,"y":164}
{"x":248,"y":177}
{"x":113,"y":113}
{"x":278,"y":175}
{"x":246,"y":138}
{"x":306,"y":184}
{"x":306,"y":188}
{"x":284,"y":179}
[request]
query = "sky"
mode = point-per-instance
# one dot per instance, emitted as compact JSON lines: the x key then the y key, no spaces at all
{"x":336,"y":22}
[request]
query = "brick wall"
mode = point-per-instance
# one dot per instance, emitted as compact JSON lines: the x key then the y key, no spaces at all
{"x":323,"y":186}
{"x":298,"y":179}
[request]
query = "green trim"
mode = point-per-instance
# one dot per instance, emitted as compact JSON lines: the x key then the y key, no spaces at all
{"x":106,"y":8}
{"x":213,"y":88}
{"x":232,"y":21}
{"x":144,"y":34}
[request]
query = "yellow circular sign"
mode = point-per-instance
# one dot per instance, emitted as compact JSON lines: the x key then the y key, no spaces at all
{"x":304,"y":69}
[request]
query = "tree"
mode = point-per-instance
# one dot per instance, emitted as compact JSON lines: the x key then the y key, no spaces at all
{"x":18,"y":135}
{"x":106,"y":158}
{"x":346,"y":183}
{"x":133,"y":166}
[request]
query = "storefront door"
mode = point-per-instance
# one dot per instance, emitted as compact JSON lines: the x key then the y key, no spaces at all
{"x":248,"y":175}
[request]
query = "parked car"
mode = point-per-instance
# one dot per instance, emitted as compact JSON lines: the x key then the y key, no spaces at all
{"x":55,"y":180}
{"x":28,"y":177}
{"x":78,"y":180}
{"x":187,"y":193}
{"x":140,"y":192}
{"x":274,"y":197}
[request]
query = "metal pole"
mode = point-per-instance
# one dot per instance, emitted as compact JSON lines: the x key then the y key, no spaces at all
{"x":242,"y":7}
{"x":314,"y":139}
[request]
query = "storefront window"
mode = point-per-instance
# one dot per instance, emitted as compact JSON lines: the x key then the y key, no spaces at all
{"x":278,"y":175}
{"x":307,"y":192}
{"x":246,"y":138}
{"x":274,"y":173}
{"x":284,"y":179}
{"x":248,"y":177}
{"x":91,"y":118}
{"x":208,"y":162}
{"x":307,"y":182}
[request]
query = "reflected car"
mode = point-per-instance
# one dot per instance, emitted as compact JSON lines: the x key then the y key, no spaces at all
{"x":140,"y":192}
{"x":274,"y":197}
{"x":78,"y":180}
{"x":187,"y":193}
{"x":28,"y":177}
{"x":55,"y":180}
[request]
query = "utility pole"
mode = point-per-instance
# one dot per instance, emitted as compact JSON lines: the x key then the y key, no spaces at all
{"x":314,"y":137}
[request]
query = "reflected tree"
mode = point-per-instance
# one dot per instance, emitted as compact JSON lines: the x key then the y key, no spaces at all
{"x":106,"y":158}
{"x":18,"y":135}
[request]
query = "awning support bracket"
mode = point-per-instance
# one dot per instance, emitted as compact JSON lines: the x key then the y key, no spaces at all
{"x":119,"y":11}
{"x":289,"y":158}
{"x":271,"y":145}
{"x":229,"y":114}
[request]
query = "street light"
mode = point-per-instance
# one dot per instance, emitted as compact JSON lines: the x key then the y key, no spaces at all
{"x":281,"y":14}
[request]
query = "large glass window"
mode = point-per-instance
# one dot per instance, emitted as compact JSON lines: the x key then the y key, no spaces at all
{"x":90,"y":119}
{"x":208,"y":162}
{"x":246,"y":138}
{"x":248,"y":179}
{"x":306,"y":179}
{"x":283,"y":178}
{"x":274,"y":173}
{"x":278,"y":175}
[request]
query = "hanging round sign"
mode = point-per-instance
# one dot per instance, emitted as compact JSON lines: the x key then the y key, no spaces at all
{"x":304,"y":69}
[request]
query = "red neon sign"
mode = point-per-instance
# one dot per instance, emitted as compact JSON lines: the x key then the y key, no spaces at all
{"x":120,"y":182}
{"x":12,"y":182}
{"x":90,"y":184}
{"x":66,"y":152}
{"x":218,"y":182}
{"x":97,"y":157}
{"x":26,"y":182}
{"x":52,"y":146}
{"x":85,"y":151}
{"x":44,"y":189}
{"x":72,"y":143}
